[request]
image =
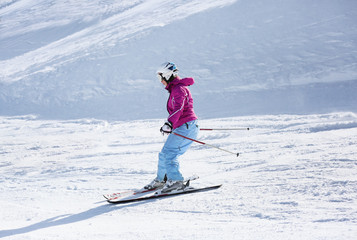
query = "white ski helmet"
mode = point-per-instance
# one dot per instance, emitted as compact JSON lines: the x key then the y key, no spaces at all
{"x":167,"y":70}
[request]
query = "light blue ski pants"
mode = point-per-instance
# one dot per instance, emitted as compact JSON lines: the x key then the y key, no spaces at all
{"x":173,"y":148}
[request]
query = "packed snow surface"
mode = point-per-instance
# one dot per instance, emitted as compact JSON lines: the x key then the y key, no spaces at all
{"x":295,"y":178}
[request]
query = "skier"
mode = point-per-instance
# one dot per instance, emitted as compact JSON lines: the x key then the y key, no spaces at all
{"x":181,"y":120}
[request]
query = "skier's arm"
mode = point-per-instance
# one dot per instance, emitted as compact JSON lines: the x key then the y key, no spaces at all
{"x":179,"y":96}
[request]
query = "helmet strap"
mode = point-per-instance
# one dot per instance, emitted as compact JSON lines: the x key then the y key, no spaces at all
{"x":170,"y":79}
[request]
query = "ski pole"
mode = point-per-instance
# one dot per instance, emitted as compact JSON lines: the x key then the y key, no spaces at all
{"x":194,"y":140}
{"x":223,"y":129}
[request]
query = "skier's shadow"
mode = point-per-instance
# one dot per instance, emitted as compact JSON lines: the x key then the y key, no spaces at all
{"x":68,"y":218}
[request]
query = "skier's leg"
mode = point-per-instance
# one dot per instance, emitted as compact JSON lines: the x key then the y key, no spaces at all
{"x":169,"y":154}
{"x":176,"y":146}
{"x":161,"y":167}
{"x":189,"y":130}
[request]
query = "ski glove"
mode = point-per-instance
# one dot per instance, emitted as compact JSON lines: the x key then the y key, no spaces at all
{"x":166,"y":128}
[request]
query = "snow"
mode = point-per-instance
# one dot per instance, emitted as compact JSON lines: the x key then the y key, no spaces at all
{"x":80,"y":109}
{"x":59,"y":59}
{"x":295,"y":178}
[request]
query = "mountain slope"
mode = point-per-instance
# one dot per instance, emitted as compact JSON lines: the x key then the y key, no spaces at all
{"x":61,"y":59}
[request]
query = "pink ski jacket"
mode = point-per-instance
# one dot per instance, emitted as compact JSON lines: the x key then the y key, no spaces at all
{"x":180,"y":102}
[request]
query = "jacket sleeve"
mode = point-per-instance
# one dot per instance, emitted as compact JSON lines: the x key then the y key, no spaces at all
{"x":179,"y":96}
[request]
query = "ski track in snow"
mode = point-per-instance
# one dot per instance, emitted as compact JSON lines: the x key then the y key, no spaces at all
{"x":295,"y":179}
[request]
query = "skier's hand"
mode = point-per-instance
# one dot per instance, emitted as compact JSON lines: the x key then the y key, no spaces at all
{"x":166,"y":128}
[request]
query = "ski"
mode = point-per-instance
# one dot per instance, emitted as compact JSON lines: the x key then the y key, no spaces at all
{"x":156,"y":195}
{"x":139,"y":191}
{"x":128,"y":193}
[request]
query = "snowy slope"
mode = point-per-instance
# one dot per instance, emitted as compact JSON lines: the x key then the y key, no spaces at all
{"x":285,"y":68}
{"x":73,"y":59}
{"x":295,"y":179}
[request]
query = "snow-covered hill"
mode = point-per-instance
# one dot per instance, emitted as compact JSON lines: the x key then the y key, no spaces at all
{"x":295,"y":179}
{"x":74,"y":58}
{"x":285,"y":68}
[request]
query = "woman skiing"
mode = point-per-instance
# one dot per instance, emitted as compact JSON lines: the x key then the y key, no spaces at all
{"x":181,"y":120}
